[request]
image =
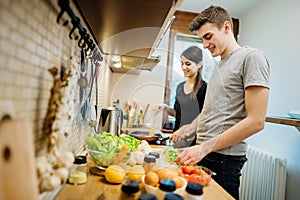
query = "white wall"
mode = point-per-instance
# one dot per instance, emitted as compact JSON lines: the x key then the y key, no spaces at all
{"x":146,"y":87}
{"x":274,"y":27}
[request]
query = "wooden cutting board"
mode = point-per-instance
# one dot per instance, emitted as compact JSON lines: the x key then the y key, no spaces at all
{"x":18,"y":178}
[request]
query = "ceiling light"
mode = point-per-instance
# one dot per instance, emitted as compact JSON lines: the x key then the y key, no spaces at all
{"x":117,"y":64}
{"x":115,"y":58}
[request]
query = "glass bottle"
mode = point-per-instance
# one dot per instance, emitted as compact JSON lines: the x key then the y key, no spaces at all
{"x":146,"y":196}
{"x":79,"y":171}
{"x":165,"y":185}
{"x":149,"y":163}
{"x":130,"y":189}
{"x":193,"y":191}
{"x":173,"y":196}
{"x":156,"y":155}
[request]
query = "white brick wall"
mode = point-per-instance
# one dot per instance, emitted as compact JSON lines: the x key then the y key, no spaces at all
{"x":29,"y":46}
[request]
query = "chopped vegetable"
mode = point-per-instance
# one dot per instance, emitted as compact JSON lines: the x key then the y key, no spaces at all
{"x":171,"y":154}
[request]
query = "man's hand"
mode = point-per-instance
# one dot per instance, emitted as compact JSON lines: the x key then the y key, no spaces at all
{"x":190,"y":156}
{"x":184,"y":131}
{"x":193,"y":155}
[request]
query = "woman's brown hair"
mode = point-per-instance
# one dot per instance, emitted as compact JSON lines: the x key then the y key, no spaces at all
{"x":194,"y":54}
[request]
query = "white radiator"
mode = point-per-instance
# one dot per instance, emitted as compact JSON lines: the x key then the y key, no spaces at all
{"x":263,"y":176}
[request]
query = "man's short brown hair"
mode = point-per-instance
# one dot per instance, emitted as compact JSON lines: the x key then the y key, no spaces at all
{"x":213,"y":14}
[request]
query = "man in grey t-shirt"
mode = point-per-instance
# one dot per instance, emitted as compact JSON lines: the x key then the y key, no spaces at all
{"x":235,"y":104}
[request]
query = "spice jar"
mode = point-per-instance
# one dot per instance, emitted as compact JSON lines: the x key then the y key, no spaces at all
{"x":79,"y":171}
{"x":157,"y":158}
{"x":173,"y":196}
{"x":149,"y":163}
{"x":193,"y":191}
{"x":130,"y":189}
{"x":165,"y":185}
{"x":146,"y":196}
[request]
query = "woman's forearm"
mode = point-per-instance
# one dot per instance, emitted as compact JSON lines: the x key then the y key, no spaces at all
{"x":170,"y":111}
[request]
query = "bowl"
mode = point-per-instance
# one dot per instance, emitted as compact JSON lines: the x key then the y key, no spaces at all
{"x":105,"y":159}
{"x":153,"y":190}
{"x":197,"y":174}
{"x":294,"y":114}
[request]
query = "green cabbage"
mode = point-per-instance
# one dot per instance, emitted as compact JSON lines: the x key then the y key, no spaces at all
{"x":103,"y":148}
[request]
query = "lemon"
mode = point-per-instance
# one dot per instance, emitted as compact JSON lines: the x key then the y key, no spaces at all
{"x":115,"y":174}
{"x":136,"y":173}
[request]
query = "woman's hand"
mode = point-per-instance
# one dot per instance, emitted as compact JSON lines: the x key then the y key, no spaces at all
{"x":157,"y":108}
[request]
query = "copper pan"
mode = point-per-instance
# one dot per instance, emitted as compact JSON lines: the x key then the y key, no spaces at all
{"x":144,"y":135}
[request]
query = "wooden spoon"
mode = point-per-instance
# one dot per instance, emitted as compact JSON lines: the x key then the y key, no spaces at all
{"x":151,"y":133}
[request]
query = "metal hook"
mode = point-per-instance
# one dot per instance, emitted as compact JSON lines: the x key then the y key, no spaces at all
{"x":63,"y":4}
{"x":90,"y":44}
{"x":75,"y":23}
{"x":81,"y":44}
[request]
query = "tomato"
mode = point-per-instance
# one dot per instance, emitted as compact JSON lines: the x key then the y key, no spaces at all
{"x":187,"y":169}
{"x":207,"y":179}
{"x":195,"y":178}
{"x":197,"y":170}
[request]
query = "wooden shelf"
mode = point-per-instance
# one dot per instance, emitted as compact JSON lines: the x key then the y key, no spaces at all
{"x":285,"y":121}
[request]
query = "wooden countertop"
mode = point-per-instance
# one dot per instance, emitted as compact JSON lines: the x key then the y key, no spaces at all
{"x":97,"y":188}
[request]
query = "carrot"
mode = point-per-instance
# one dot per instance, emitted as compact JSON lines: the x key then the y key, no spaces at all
{"x":124,"y":148}
{"x":120,"y":155}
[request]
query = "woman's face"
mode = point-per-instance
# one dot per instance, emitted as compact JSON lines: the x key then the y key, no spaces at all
{"x":189,"y":67}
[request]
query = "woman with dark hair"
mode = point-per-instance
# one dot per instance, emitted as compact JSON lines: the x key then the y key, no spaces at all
{"x":190,"y":94}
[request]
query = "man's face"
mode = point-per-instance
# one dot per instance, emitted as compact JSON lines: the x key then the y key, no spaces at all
{"x":213,"y":39}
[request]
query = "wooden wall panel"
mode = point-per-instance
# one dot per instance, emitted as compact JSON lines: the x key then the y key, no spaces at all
{"x":183,"y":19}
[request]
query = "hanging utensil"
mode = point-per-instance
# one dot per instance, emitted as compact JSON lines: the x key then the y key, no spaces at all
{"x":83,"y":82}
{"x":92,"y":113}
{"x":83,"y":94}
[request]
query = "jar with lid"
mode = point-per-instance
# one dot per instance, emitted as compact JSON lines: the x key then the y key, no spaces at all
{"x":193,"y":191}
{"x":157,"y":157}
{"x":173,"y":196}
{"x":165,"y":185}
{"x":149,"y":163}
{"x":146,"y":196}
{"x":130,"y":189}
{"x":79,"y":171}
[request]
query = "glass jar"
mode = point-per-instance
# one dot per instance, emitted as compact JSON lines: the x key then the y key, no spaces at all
{"x":173,"y":196}
{"x":79,"y":171}
{"x":146,"y":196}
{"x":159,"y":160}
{"x":130,"y":190}
{"x":193,"y":191}
{"x":165,"y":185}
{"x":149,"y":163}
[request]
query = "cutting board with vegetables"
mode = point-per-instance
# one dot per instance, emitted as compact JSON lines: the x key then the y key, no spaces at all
{"x":17,"y":168}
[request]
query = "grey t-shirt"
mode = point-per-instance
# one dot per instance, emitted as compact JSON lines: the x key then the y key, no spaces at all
{"x":224,"y":104}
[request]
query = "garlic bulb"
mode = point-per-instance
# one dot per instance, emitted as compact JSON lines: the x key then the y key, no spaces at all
{"x":62,"y":173}
{"x":49,"y":183}
{"x":65,"y":159}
